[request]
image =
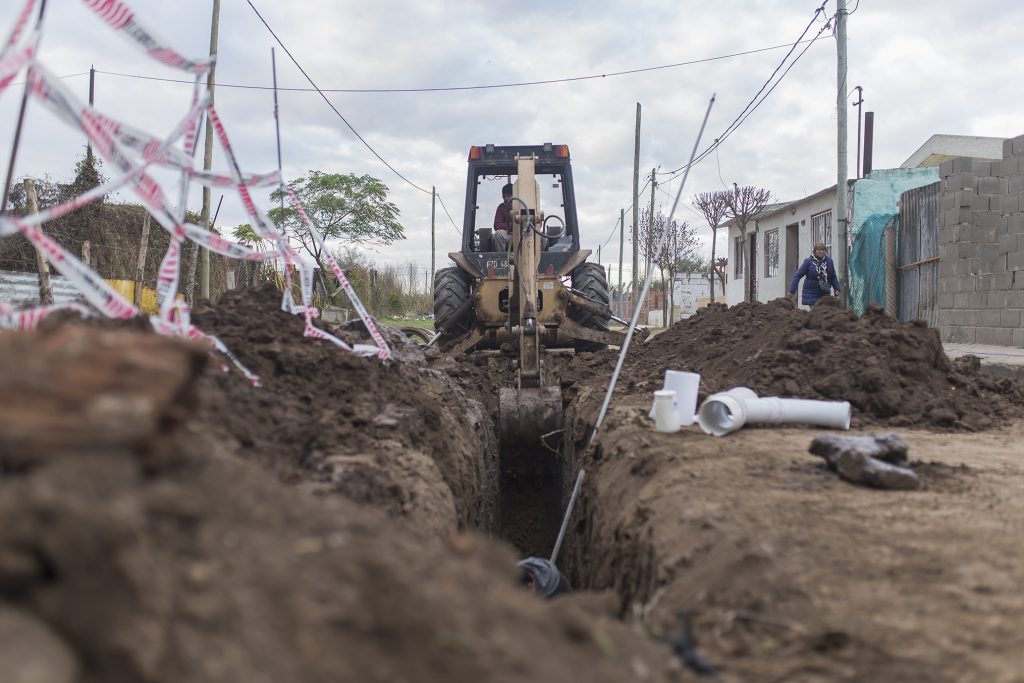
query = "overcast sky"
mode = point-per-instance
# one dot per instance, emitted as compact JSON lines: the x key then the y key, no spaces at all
{"x":926,"y":66}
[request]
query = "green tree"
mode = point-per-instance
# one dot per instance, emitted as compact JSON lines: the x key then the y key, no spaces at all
{"x":341,"y":207}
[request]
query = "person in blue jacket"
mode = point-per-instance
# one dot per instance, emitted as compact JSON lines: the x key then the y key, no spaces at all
{"x":820,"y":272}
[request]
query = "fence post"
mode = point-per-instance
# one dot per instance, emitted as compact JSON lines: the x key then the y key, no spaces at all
{"x":87,"y":253}
{"x":140,"y":268}
{"x":45,"y":287}
{"x":890,"y":270}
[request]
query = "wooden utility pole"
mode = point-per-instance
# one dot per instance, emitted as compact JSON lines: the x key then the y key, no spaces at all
{"x":45,"y":287}
{"x":92,"y":98}
{"x":433,"y":247}
{"x":140,"y":270}
{"x":204,"y":281}
{"x":839,"y":252}
{"x":636,"y":207}
{"x":622,"y":240}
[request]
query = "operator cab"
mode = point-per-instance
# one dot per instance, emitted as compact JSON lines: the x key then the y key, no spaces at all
{"x":490,"y":168}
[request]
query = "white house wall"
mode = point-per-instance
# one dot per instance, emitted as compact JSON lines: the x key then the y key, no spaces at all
{"x":799,"y":212}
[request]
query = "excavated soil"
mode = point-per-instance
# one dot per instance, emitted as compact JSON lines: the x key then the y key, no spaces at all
{"x":161,"y":520}
{"x":787,"y":572}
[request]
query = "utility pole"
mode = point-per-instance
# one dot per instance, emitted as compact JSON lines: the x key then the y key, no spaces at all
{"x":599,"y":253}
{"x":433,"y":247}
{"x":622,"y":240}
{"x":45,"y":288}
{"x":841,"y":210}
{"x":204,"y":282}
{"x":650,"y":229}
{"x":860,"y":101}
{"x":92,"y":98}
{"x":634,"y":289}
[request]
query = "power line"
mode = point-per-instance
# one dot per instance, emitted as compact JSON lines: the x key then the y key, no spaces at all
{"x":330,"y":104}
{"x":612,"y":233}
{"x":754,"y":103}
{"x":457,"y":231}
{"x":455,"y":88}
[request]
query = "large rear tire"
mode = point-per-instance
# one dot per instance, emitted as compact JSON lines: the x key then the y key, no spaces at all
{"x":451,"y":292}
{"x":590,"y":280}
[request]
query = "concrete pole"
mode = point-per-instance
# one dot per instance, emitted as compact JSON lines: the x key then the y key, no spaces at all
{"x":204,"y":281}
{"x":650,"y":229}
{"x":433,"y":237}
{"x":140,"y":268}
{"x":622,"y":241}
{"x":842,"y":221}
{"x":634,"y":289}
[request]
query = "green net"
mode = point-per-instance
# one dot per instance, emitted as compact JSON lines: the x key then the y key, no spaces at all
{"x":867,"y":262}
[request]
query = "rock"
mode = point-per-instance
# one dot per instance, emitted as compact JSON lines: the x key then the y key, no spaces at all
{"x":888,"y":447}
{"x":859,"y":468}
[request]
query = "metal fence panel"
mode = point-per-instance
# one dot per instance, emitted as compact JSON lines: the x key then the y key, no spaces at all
{"x":918,"y":255}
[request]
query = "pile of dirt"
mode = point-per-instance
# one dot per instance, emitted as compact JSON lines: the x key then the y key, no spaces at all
{"x":403,"y":437}
{"x":891,"y":372}
{"x":139,"y":544}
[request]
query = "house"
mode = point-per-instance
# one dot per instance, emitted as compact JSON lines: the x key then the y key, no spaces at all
{"x":764,"y":259}
{"x":939,"y":148}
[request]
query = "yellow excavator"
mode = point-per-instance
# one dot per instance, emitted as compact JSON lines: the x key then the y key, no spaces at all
{"x":536,"y":294}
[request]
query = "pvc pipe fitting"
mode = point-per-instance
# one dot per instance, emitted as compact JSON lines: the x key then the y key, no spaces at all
{"x":727,"y":411}
{"x":666,"y":418}
{"x":686,"y":386}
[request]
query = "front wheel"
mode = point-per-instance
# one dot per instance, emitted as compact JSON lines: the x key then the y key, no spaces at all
{"x":589,"y":279}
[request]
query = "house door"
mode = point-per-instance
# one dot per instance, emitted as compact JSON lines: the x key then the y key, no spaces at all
{"x":752,"y":269}
{"x":792,"y":250}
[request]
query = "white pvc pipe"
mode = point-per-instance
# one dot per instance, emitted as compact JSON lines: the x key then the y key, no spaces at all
{"x":727,"y":411}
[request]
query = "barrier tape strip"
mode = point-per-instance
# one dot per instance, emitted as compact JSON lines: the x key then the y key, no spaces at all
{"x":122,"y":19}
{"x":117,"y":142}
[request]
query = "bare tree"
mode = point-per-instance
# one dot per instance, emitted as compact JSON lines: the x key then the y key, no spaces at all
{"x":744,"y":205}
{"x":715,"y":207}
{"x":677,"y":242}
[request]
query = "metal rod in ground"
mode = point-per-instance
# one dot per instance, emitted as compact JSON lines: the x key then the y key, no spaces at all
{"x":277,"y":130}
{"x":568,"y":515}
{"x":434,"y":339}
{"x":647,"y":284}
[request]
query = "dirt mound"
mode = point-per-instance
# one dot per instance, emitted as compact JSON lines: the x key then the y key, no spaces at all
{"x":137,"y":544}
{"x":401,"y":436}
{"x":892,"y":372}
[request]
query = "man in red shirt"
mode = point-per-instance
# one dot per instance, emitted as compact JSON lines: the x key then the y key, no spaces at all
{"x":503,"y":220}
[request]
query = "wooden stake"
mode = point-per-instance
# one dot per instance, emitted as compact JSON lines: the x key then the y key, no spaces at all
{"x":141,"y":267}
{"x":45,"y":287}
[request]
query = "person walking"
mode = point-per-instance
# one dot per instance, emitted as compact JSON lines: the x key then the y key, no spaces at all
{"x":820,"y":273}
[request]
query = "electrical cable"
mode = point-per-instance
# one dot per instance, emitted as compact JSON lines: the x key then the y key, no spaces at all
{"x":755,"y":102}
{"x":457,"y":231}
{"x":490,"y":86}
{"x":330,"y":104}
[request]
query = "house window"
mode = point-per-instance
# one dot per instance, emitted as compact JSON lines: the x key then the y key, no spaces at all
{"x":771,"y":253}
{"x":738,"y":250}
{"x":821,"y":229}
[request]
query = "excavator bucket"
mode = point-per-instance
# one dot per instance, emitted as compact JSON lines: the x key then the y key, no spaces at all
{"x":527,"y":414}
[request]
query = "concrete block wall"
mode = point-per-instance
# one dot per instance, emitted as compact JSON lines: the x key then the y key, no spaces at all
{"x":981,"y":248}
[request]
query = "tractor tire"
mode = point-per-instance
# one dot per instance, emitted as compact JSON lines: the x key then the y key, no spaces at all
{"x":451,"y":292}
{"x":589,"y":278}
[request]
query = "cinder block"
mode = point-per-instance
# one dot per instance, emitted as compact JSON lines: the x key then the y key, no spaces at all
{"x":998,"y":264}
{"x":952,"y":317}
{"x":1007,"y":243}
{"x":987,"y":219}
{"x":946,"y":270}
{"x":985,"y":335}
{"x":978,"y":301}
{"x":1015,"y":183}
{"x":983,"y":235}
{"x":968,"y":283}
{"x":985,"y":283}
{"x":988,"y":253}
{"x":960,"y":181}
{"x":1015,"y":261}
{"x":1015,"y":299}
{"x":948,"y":284}
{"x":992,"y":186}
{"x":972,"y":318}
{"x":995,"y":203}
{"x":995,"y":299}
{"x":1007,"y":166}
{"x":963,"y":197}
{"x":1009,"y":318}
{"x":1009,"y":204}
{"x":981,"y":168}
{"x":947,"y":200}
{"x":962,"y":300}
{"x":981,"y":202}
{"x":1002,"y":282}
{"x":1004,"y":337}
{"x":1015,"y":224}
{"x":945,"y":299}
{"x":950,"y":217}
{"x":991,"y":318}
{"x":1017,"y":146}
{"x":946,"y":168}
{"x":949,"y":234}
{"x":1018,"y":337}
{"x":1007,"y":148}
{"x":963,"y":164}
